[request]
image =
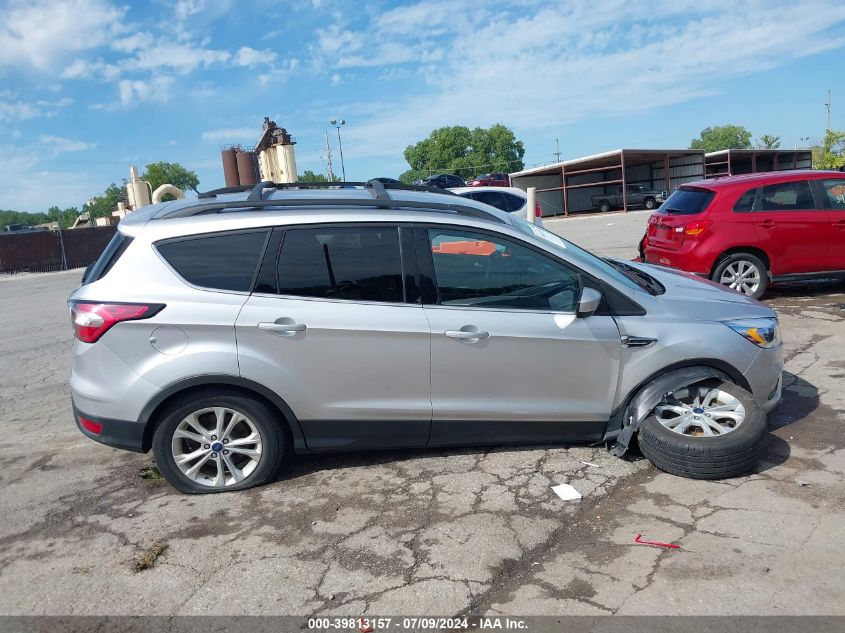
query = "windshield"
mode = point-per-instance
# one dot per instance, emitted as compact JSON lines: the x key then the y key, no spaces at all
{"x":577,"y":254}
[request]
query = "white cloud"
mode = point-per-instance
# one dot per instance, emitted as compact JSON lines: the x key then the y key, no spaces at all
{"x":279,"y":72}
{"x":247,"y":56}
{"x":14,"y":109}
{"x":183,"y":9}
{"x":43,"y":33}
{"x":60,"y":145}
{"x":134,"y":91}
{"x":335,"y":79}
{"x":232,"y":134}
{"x":537,"y":66}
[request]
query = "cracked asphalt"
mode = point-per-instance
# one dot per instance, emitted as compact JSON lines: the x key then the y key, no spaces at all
{"x":446,"y":532}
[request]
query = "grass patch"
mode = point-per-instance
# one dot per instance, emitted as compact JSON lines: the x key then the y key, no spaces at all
{"x":147,"y":559}
{"x":151,"y":473}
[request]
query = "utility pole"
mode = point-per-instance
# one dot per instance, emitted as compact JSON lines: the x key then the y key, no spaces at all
{"x":328,"y":149}
{"x":338,"y":123}
{"x":828,"y":105}
{"x":557,"y":147}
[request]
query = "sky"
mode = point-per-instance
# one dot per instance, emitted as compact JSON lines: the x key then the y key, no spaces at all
{"x":89,"y":88}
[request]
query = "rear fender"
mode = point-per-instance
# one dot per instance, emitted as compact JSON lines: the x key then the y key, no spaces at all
{"x":652,"y":393}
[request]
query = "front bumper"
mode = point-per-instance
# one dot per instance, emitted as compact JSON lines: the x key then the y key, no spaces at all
{"x":121,"y":434}
{"x":765,"y":376}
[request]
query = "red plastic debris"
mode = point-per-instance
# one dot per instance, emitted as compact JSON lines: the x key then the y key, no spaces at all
{"x":640,"y":540}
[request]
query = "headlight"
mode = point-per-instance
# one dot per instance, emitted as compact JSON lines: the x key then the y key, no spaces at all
{"x":761,"y":332}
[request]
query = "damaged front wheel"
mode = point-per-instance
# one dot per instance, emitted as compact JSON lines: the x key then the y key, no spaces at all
{"x":709,"y":430}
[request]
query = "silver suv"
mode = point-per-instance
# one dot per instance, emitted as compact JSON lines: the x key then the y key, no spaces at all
{"x":223,"y":332}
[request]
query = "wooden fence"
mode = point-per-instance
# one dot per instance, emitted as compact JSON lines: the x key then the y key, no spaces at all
{"x":42,"y":251}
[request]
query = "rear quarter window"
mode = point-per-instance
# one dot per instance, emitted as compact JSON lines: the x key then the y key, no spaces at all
{"x":221,"y":261}
{"x":108,"y":258}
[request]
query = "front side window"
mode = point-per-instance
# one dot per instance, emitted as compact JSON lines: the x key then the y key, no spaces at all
{"x":477,"y":270}
{"x":222,"y":261}
{"x":354,"y":263}
{"x":787,"y":196}
{"x":835,"y":192}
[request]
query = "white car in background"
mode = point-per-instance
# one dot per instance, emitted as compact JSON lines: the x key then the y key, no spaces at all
{"x":509,"y":199}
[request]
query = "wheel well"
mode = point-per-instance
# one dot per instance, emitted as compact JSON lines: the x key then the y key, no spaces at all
{"x":751,"y":250}
{"x":155,"y":417}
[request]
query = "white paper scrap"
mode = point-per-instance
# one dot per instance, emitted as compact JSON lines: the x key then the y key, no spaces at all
{"x":566,"y":492}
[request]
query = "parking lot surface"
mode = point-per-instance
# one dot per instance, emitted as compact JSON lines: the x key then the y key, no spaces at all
{"x":87,"y":529}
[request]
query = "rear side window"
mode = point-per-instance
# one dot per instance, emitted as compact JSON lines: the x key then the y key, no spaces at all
{"x":221,"y":261}
{"x":835,"y":192}
{"x":688,"y":201}
{"x":111,"y":253}
{"x":787,"y":196}
{"x":357,"y":264}
{"x":745,"y":203}
{"x":493,"y":198}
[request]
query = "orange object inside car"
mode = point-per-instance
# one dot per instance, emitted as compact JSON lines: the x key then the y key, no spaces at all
{"x":465,"y":248}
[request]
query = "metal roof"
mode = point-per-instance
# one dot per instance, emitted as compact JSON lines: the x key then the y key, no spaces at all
{"x":643,"y":155}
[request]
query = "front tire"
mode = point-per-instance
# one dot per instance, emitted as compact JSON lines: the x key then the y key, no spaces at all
{"x":218,"y":443}
{"x":604,"y":206}
{"x":726,"y":439}
{"x":743,"y":272}
{"x":650,"y":203}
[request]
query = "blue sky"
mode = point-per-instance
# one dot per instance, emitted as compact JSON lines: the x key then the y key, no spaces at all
{"x":90,"y":87}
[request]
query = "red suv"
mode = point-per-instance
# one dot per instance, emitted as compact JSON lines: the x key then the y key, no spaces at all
{"x":490,"y":180}
{"x":746,"y":231}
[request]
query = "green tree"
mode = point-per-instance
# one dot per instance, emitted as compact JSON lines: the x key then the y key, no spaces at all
{"x":713,"y":139}
{"x":310,"y":176}
{"x":102,"y":206}
{"x":459,"y":150}
{"x":162,"y":173}
{"x":768,"y":141}
{"x":831,"y":153}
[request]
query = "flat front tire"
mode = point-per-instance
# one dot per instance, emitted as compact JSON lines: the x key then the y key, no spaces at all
{"x":712,"y":430}
{"x":218,"y":443}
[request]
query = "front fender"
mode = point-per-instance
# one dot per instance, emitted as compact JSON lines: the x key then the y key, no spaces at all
{"x":652,"y":393}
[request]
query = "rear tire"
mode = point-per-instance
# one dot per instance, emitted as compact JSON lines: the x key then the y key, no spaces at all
{"x":247,"y":464}
{"x":738,"y":270}
{"x":719,"y":457}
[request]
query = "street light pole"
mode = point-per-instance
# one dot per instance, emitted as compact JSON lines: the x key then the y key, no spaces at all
{"x":337,"y":125}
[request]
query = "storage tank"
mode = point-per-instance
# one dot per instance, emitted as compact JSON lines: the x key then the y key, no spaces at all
{"x":247,"y":172}
{"x":230,"y":167}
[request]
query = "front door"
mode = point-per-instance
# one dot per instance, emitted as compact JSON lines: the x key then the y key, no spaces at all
{"x":332,"y":334}
{"x":833,"y":195}
{"x":510,"y":361}
{"x":792,"y":229}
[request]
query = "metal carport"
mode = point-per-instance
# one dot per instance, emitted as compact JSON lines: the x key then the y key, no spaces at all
{"x":728,"y":162}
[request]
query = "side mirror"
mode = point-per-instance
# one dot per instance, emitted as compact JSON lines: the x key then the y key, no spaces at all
{"x":588,"y":303}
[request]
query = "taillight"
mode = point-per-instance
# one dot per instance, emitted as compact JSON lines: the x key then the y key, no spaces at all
{"x":538,"y":212}
{"x":92,"y":320}
{"x":697,"y":228}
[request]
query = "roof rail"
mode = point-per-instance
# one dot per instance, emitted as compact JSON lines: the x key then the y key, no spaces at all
{"x":374,"y":184}
{"x":447,"y":206}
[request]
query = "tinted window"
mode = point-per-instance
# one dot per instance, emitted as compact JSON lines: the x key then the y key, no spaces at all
{"x":359,"y":264}
{"x":224,"y":262}
{"x":787,"y":196}
{"x":687,"y":201}
{"x":474,"y":269}
{"x":111,"y":253}
{"x":515,"y":203}
{"x":835,"y":192}
{"x":746,"y":201}
{"x":493,"y":198}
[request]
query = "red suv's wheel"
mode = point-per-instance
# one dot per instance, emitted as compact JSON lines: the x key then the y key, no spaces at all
{"x":743,"y":272}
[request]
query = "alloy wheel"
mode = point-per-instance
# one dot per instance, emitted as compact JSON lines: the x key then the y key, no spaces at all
{"x":217,"y":447}
{"x":743,"y":276}
{"x":699,"y":411}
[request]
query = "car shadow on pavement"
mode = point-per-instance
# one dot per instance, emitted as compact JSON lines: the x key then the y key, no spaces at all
{"x":806,"y":288}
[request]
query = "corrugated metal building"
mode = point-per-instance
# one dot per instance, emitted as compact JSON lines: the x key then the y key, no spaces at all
{"x":567,"y":187}
{"x":748,"y":161}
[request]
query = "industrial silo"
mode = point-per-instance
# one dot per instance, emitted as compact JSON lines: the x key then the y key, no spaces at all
{"x":230,"y":167}
{"x":247,"y":168}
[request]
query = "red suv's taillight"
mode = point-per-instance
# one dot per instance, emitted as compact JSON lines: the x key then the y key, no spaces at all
{"x":694,"y":229}
{"x":92,"y":320}
{"x":538,"y":212}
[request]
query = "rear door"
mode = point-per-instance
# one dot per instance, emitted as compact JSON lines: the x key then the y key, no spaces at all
{"x":334,"y":328}
{"x":792,"y":228}
{"x":510,"y":362}
{"x":832,"y":194}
